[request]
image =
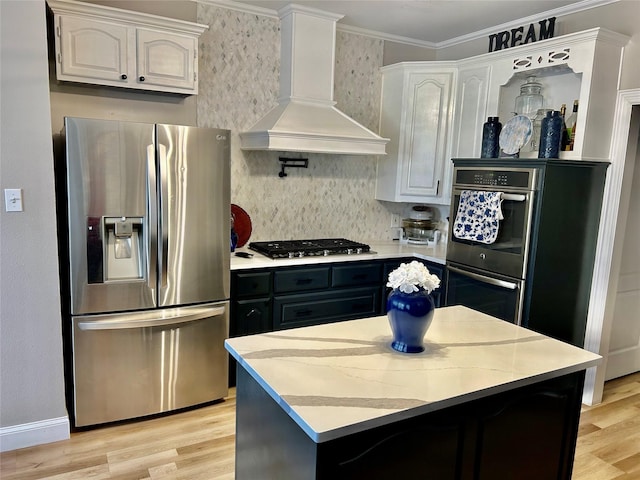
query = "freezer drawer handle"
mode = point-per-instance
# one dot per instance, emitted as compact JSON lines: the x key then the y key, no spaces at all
{"x":484,"y":279}
{"x":136,"y":320}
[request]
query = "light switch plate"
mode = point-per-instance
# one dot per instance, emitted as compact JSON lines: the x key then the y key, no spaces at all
{"x":13,"y":199}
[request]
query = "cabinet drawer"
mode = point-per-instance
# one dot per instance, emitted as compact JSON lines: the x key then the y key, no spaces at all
{"x":301,"y":279}
{"x":251,"y":317}
{"x":291,"y":311}
{"x":252,"y":284}
{"x":348,"y":275}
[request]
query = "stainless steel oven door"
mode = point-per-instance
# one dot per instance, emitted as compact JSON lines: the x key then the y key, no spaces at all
{"x":495,"y":295}
{"x":508,"y":254}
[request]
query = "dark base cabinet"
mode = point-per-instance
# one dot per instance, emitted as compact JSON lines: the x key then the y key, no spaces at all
{"x":302,"y":310}
{"x":528,"y":433}
{"x":268,"y":299}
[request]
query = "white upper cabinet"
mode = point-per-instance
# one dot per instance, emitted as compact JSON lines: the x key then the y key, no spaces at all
{"x":416,"y":113}
{"x":434,"y":111}
{"x":581,"y":66}
{"x":92,"y":49}
{"x":166,"y":60}
{"x":472,"y":96}
{"x":108,"y":46}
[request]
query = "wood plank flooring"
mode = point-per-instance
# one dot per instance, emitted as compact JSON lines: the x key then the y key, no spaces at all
{"x":199,"y":445}
{"x":609,"y":436}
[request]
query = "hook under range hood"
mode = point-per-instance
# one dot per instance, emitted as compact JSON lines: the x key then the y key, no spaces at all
{"x":306,"y":119}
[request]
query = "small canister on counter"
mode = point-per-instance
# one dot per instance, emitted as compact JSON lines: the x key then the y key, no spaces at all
{"x":550,"y":135}
{"x":490,"y":138}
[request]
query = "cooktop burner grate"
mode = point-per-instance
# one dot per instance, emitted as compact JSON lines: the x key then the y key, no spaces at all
{"x":309,"y":248}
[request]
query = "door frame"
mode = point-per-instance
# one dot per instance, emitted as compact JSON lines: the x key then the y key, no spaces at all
{"x":600,"y":316}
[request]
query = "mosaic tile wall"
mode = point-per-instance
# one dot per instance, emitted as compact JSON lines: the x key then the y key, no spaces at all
{"x":334,"y":197}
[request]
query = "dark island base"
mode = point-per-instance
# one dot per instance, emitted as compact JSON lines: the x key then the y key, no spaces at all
{"x":525,"y":433}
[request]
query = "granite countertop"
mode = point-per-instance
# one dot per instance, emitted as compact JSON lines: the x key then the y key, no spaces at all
{"x":379,"y":250}
{"x":342,"y":378}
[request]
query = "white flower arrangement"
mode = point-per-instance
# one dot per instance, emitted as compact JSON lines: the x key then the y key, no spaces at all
{"x":410,"y":277}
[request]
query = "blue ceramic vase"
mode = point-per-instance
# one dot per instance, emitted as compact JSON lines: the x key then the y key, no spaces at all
{"x":491,"y":138}
{"x":410,"y":315}
{"x":550,"y":135}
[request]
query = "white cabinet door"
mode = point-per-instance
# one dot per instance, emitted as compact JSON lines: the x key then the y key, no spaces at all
{"x":424,"y":145}
{"x":109,"y":46}
{"x":471,"y":111}
{"x":416,"y":165}
{"x":91,"y":49}
{"x":166,"y":60}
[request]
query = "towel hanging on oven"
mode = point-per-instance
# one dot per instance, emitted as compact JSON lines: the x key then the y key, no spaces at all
{"x":478,"y":217}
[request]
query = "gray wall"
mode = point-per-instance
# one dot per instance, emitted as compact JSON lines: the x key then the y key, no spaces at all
{"x":31,"y":379}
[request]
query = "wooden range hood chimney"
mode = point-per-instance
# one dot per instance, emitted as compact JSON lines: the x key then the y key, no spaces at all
{"x":306,"y":119}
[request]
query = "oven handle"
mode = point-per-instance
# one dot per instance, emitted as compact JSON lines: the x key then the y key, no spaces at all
{"x":485,"y":279}
{"x":514,"y":197}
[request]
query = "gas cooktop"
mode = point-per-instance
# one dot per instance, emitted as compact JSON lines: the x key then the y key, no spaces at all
{"x":309,"y":248}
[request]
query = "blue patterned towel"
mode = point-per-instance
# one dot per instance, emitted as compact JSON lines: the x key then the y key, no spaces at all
{"x":478,"y":217}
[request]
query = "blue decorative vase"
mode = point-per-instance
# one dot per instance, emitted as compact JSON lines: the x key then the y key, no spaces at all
{"x":550,"y":135}
{"x":490,"y":138}
{"x":410,"y":315}
{"x":234,"y":240}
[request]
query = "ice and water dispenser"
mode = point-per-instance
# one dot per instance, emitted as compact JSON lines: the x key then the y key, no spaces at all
{"x":115,"y":249}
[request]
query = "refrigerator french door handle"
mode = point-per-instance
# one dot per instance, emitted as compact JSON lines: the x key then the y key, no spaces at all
{"x":174,"y":316}
{"x":163,"y":237}
{"x":152,"y":228}
{"x":482,"y":278}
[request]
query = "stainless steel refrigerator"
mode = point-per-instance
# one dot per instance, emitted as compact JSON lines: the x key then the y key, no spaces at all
{"x":145,"y":267}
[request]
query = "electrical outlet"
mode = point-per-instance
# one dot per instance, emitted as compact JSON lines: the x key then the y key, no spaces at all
{"x":395,"y":221}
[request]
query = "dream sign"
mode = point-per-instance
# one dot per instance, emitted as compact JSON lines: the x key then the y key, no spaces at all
{"x":517,"y":36}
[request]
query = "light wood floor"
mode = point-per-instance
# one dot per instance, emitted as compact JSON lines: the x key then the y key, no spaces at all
{"x":199,"y":444}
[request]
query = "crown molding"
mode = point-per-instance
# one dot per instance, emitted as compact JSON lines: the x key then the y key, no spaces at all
{"x":241,"y":7}
{"x":386,"y":36}
{"x":556,"y":12}
{"x":480,"y":34}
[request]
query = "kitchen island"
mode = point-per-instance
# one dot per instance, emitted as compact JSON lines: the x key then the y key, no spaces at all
{"x":486,"y":399}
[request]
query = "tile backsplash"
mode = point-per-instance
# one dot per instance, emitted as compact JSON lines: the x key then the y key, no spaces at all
{"x":238,"y":75}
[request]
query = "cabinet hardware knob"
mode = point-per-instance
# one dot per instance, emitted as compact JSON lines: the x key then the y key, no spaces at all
{"x":141,"y":78}
{"x":123,"y":76}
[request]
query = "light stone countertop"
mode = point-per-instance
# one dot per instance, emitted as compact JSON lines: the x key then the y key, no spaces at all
{"x":342,"y":378}
{"x":379,"y":250}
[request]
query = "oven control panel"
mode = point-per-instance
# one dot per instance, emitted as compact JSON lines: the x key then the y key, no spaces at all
{"x":490,"y":178}
{"x":493,"y":178}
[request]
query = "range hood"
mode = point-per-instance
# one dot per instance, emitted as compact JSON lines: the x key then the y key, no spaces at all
{"x":306,"y":119}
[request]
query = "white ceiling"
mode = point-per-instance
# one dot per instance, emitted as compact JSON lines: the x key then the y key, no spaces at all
{"x":433,"y":23}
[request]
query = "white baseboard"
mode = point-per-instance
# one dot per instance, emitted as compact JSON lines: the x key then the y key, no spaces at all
{"x":622,"y":362}
{"x":34,"y":433}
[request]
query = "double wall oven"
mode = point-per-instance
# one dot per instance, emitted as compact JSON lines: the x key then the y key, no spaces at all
{"x":490,"y":277}
{"x":537,"y":271}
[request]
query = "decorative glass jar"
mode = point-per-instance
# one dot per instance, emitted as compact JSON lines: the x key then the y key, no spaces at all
{"x":530,"y":99}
